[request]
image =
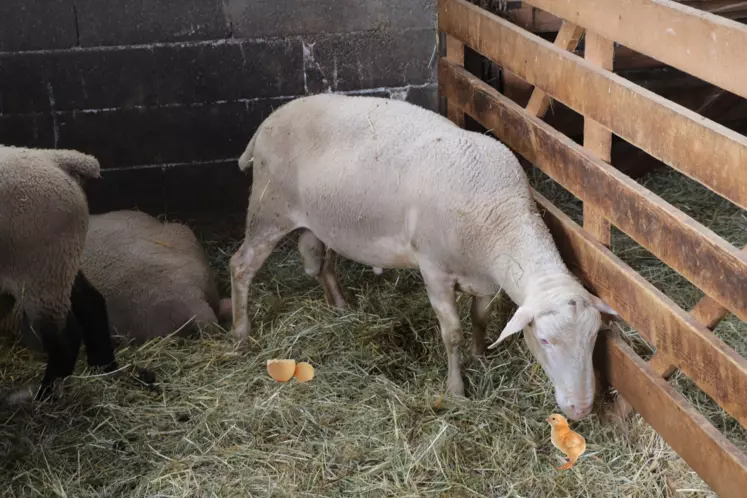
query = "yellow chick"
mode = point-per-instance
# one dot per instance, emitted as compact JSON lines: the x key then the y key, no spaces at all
{"x":564,"y":439}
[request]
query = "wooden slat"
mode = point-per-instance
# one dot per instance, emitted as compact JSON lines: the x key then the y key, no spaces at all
{"x":455,"y":53}
{"x":566,"y":39}
{"x":662,"y":365}
{"x":705,"y":151}
{"x":539,"y":21}
{"x":705,"y":45}
{"x":598,"y":139}
{"x":534,"y":20}
{"x":716,"y":460}
{"x":709,"y":313}
{"x":715,"y":266}
{"x":717,"y":369}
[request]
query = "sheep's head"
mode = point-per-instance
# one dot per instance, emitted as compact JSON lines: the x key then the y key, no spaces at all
{"x":561,"y":330}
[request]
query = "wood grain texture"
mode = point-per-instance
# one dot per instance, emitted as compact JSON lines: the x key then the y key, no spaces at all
{"x":701,"y":256}
{"x":709,"y":313}
{"x":455,"y":53}
{"x":705,"y":45}
{"x":701,"y":149}
{"x":567,"y":39}
{"x":540,"y":21}
{"x":716,"y":460}
{"x":707,"y":360}
{"x":598,"y":139}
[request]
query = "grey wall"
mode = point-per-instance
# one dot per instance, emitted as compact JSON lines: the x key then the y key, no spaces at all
{"x":166,"y":93}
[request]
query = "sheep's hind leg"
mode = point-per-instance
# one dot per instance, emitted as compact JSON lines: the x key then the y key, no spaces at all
{"x":261,"y":238}
{"x":62,"y":345}
{"x":442,"y":295}
{"x":480,"y":311}
{"x":319,"y":262}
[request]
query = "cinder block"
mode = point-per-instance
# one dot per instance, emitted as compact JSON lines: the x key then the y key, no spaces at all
{"x":207,"y":72}
{"x":141,"y":188}
{"x":37,"y":25}
{"x":181,"y":134}
{"x":28,"y":81}
{"x":253,"y":18}
{"x":27,"y":131}
{"x":426,"y":96}
{"x":218,"y":187}
{"x":372,"y":59}
{"x":126,"y":22}
{"x":172,"y":74}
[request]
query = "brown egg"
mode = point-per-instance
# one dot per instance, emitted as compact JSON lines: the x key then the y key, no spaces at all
{"x":304,"y":372}
{"x":281,"y":370}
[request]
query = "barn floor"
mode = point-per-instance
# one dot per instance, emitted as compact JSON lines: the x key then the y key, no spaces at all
{"x":370,"y":424}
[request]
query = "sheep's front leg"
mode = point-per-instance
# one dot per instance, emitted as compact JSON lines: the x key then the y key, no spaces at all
{"x":89,"y":307}
{"x":261,"y":238}
{"x":441,"y":293}
{"x":481,"y":308}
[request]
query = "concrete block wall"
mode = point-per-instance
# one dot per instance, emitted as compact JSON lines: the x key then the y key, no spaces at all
{"x":167,"y":93}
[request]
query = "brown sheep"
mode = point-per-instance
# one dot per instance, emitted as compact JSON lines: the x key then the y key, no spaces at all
{"x":155,"y":276}
{"x":43,"y":224}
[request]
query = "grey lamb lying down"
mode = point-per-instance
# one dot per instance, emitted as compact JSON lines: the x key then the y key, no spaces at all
{"x":155,"y":276}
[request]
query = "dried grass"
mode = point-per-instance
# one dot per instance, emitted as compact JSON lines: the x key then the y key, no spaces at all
{"x":371,"y":423}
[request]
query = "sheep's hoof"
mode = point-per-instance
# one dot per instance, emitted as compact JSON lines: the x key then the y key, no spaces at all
{"x":240,"y":331}
{"x":341,"y":307}
{"x":143,"y":376}
{"x":46,"y":392}
{"x":456,"y":387}
{"x":146,"y":376}
{"x":478,"y":350}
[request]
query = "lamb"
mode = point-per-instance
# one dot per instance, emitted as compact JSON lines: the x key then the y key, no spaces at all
{"x":43,"y":223}
{"x":155,"y":276}
{"x":391,"y":185}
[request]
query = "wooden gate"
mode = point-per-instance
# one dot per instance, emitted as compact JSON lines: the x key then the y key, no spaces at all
{"x":704,"y":45}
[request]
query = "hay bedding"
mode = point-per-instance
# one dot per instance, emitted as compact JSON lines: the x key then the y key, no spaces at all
{"x":371,"y":423}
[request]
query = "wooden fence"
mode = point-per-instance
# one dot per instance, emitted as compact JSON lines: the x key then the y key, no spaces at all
{"x":704,"y":45}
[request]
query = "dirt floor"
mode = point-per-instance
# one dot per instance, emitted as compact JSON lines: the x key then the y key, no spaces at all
{"x":374,"y":421}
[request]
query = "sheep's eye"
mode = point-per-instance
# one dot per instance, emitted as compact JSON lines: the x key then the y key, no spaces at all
{"x":544,"y":342}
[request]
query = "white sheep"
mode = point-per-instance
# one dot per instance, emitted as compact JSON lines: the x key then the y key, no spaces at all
{"x":391,"y":185}
{"x":43,"y":222}
{"x":155,"y":276}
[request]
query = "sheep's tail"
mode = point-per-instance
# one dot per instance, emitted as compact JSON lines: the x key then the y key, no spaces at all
{"x":247,"y":158}
{"x":76,"y":163}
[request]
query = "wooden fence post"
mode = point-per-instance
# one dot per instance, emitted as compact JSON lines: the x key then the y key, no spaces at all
{"x":454,"y":53}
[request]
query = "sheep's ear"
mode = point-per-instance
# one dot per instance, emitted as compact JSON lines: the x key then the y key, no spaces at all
{"x":521,"y":319}
{"x":602,"y":306}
